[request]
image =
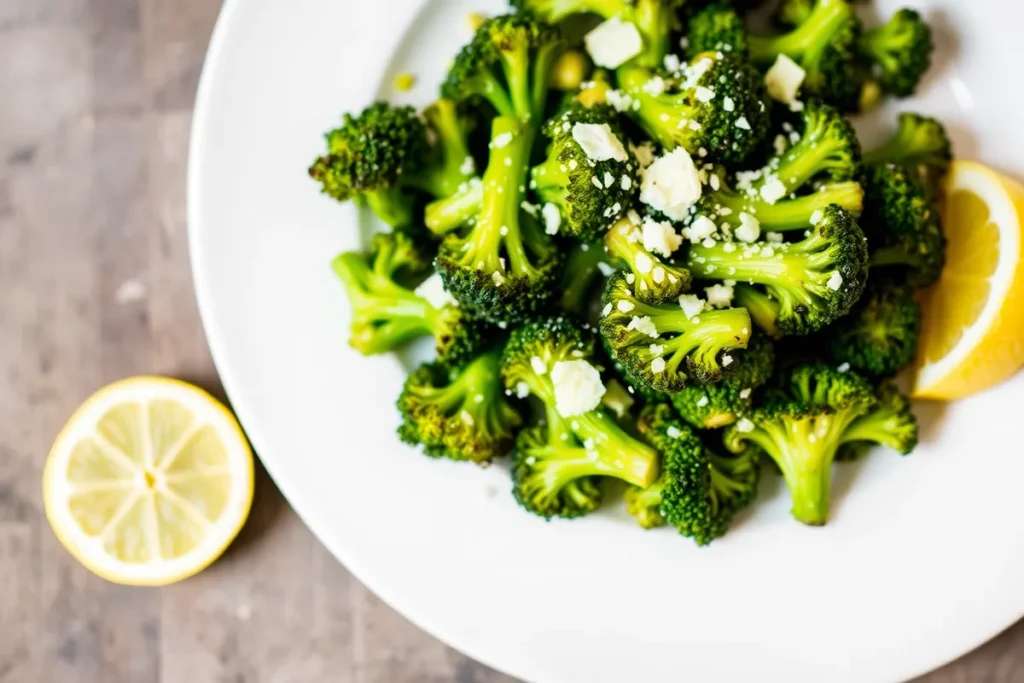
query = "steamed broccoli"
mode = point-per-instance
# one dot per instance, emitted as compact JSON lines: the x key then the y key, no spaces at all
{"x":556,"y":465}
{"x":452,"y":176}
{"x":921,"y":144}
{"x":654,"y":279}
{"x":889,"y":422}
{"x":899,"y":53}
{"x":459,"y":412}
{"x":592,"y":186}
{"x":710,"y":406}
{"x":814,"y":281}
{"x":386,"y":312}
{"x":583,"y":272}
{"x":793,"y":12}
{"x":665,"y":347}
{"x":716,"y":28}
{"x":504,"y":267}
{"x":690,"y":111}
{"x":699,"y":491}
{"x":763,"y":309}
{"x":880,"y":335}
{"x":824,"y":44}
{"x":508,"y":64}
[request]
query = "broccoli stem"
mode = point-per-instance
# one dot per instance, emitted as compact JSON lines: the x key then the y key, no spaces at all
{"x":551,"y":178}
{"x":895,"y":256}
{"x":581,"y":271}
{"x":391,"y":206}
{"x":825,"y":19}
{"x":616,"y":453}
{"x":762,"y":309}
{"x":446,"y":178}
{"x":794,"y":214}
{"x":653,"y":18}
{"x":450,"y":213}
{"x":665,"y":118}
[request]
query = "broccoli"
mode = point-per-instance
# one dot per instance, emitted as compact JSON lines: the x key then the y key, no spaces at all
{"x":824,"y":44}
{"x":504,"y":267}
{"x":509,"y":64}
{"x":590,"y":193}
{"x":583,"y":271}
{"x":898,"y":53}
{"x":699,"y":491}
{"x":691,"y":111}
{"x":814,"y":281}
{"x":921,"y":144}
{"x":635,"y":387}
{"x":664,"y":347}
{"x":386,"y":313}
{"x":763,"y":310}
{"x":804,"y":422}
{"x":710,"y":406}
{"x":451,"y":178}
{"x":459,"y":412}
{"x":903,"y":227}
{"x":890,"y":422}
{"x":654,"y":279}
{"x":716,"y":28}
{"x":793,"y":12}
{"x":556,"y":465}
{"x":880,"y":335}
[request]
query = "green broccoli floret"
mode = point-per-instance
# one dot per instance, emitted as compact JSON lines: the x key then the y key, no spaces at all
{"x":504,"y":267}
{"x":711,"y":406}
{"x":590,"y":193}
{"x":814,"y":281}
{"x":880,"y":335}
{"x":899,"y":53}
{"x":890,"y":422}
{"x":921,"y":144}
{"x":369,"y":156}
{"x":699,"y":491}
{"x":662,"y":346}
{"x":763,"y":310}
{"x":793,"y":12}
{"x":581,"y":277}
{"x":653,"y":279}
{"x":716,"y":28}
{"x":903,"y":227}
{"x":459,"y":412}
{"x":508,"y":63}
{"x":634,"y":386}
{"x":556,"y":465}
{"x":451,"y":177}
{"x":690,"y":111}
{"x":825,"y":46}
{"x":386,"y":313}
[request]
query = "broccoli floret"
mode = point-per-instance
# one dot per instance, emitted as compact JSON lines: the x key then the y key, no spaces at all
{"x":508,"y":63}
{"x":825,"y":46}
{"x":921,"y":144}
{"x":368,"y":157}
{"x":880,"y":335}
{"x":763,"y":310}
{"x":556,"y":466}
{"x":386,"y":313}
{"x":504,"y":267}
{"x":459,"y":412}
{"x":689,"y":111}
{"x":716,"y":28}
{"x":582,"y":274}
{"x":711,"y":406}
{"x":794,"y":12}
{"x":590,"y":193}
{"x":814,"y":281}
{"x":654,"y":279}
{"x":634,"y":386}
{"x":899,"y":53}
{"x":451,"y":176}
{"x":664,"y":348}
{"x":890,"y":422}
{"x":699,"y":491}
{"x":903,"y":227}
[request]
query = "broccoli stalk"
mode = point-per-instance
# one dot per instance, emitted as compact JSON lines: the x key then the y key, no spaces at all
{"x":582,"y":273}
{"x":764,"y":311}
{"x":899,"y":52}
{"x":654,"y":280}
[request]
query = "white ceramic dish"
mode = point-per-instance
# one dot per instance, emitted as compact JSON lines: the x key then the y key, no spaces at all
{"x":923,"y":559}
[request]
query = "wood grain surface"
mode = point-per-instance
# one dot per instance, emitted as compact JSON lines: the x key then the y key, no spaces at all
{"x":95,"y":107}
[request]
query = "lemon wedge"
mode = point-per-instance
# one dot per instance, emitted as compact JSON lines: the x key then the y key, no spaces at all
{"x":149,"y":481}
{"x":973,"y":333}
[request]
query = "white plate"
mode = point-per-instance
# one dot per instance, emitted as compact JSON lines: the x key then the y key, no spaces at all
{"x":924,"y":557}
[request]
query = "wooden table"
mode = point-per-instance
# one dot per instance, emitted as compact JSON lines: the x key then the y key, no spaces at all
{"x":95,"y":104}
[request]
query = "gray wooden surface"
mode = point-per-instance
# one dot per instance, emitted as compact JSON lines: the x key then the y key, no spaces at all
{"x":95,"y":101}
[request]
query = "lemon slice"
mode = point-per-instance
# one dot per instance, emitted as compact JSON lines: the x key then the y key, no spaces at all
{"x":973,"y":334}
{"x":149,"y":481}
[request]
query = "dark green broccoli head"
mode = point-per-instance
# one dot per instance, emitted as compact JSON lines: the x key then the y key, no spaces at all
{"x":591,"y":186}
{"x":654,"y":278}
{"x":368,"y":156}
{"x":459,"y":412}
{"x":716,"y":28}
{"x":635,"y":387}
{"x":814,"y":281}
{"x":890,"y":422}
{"x":662,"y":345}
{"x":899,"y":53}
{"x":386,"y":313}
{"x":711,"y":406}
{"x":552,"y":475}
{"x":880,"y":335}
{"x":824,"y":44}
{"x":818,"y":384}
{"x":921,"y":144}
{"x":905,"y":234}
{"x":718,"y":104}
{"x":508,"y":64}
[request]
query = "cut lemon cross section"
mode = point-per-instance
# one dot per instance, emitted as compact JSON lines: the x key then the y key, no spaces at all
{"x":149,"y":481}
{"x":973,"y":334}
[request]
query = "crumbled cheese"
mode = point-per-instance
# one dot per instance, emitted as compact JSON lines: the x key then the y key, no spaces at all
{"x":606,"y":311}
{"x":726,"y":360}
{"x":598,"y":142}
{"x":673,"y":432}
{"x":633,"y":217}
{"x":654,"y":86}
{"x":613,"y":43}
{"x":578,"y":387}
{"x":658,"y":274}
{"x":742,"y":123}
{"x":625,"y":306}
{"x":497,"y":278}
{"x":644,"y":153}
{"x":643,"y":325}
{"x":773,"y":190}
{"x":745,"y":394}
{"x":744,"y":426}
{"x":466,"y":417}
{"x":835,"y":281}
{"x":750,"y":228}
{"x":468,"y":166}
{"x":609,"y":179}
{"x":538,"y":365}
{"x":502,"y":140}
{"x":433,"y":292}
{"x":673,"y":63}
{"x":671,"y":184}
{"x":702,"y":228}
{"x":817,"y":216}
{"x":522,"y":389}
{"x":705,"y":95}
{"x":728,"y":104}
{"x":643,"y":263}
{"x":605,"y":268}
{"x":691,"y":304}
{"x":660,"y":237}
{"x":708,"y":243}
{"x":703,"y":401}
{"x":656,"y":349}
{"x":784,"y":79}
{"x":845,"y":367}
{"x":658,"y":365}
{"x":626,"y":183}
{"x":774,"y":236}
{"x":767,"y":251}
{"x":552,"y":218}
{"x":719,"y":296}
